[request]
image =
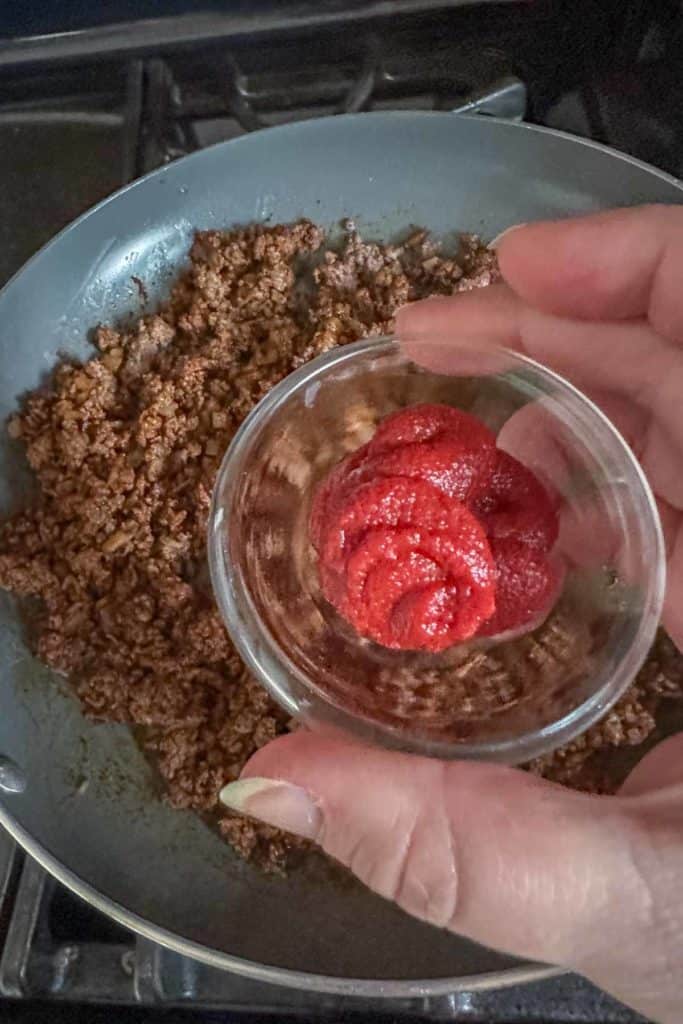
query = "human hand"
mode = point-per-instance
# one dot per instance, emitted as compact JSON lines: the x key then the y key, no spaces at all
{"x":600,"y":300}
{"x":594,"y":884}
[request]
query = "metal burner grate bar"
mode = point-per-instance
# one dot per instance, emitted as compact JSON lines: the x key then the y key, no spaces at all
{"x":8,"y":858}
{"x":31,"y":893}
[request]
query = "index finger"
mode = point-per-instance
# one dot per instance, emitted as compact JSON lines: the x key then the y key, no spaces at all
{"x":608,"y":266}
{"x":627,"y":358}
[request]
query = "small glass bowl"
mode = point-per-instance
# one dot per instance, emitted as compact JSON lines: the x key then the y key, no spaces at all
{"x":508,"y":700}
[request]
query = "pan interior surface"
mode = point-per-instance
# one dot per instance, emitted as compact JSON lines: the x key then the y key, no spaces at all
{"x":164,"y":867}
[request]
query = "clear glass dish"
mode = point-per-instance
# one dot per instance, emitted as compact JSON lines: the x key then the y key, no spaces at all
{"x":509,"y":700}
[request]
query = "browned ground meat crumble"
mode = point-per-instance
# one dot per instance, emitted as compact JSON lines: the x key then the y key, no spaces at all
{"x":125,"y":449}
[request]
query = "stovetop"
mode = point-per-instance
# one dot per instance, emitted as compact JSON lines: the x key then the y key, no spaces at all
{"x":92,"y":96}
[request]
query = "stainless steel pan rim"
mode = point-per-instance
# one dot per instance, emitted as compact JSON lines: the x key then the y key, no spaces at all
{"x":362,"y":987}
{"x":359,"y":987}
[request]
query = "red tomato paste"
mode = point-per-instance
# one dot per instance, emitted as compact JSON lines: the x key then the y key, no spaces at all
{"x":429,"y":535}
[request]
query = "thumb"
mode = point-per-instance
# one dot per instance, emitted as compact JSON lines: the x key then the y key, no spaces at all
{"x":491,"y":852}
{"x":592,"y":883}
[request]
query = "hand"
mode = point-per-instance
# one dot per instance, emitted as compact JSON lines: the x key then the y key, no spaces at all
{"x":600,"y":300}
{"x":594,"y":884}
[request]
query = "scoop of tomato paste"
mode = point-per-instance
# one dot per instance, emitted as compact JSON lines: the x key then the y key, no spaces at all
{"x":527,"y":586}
{"x":407,"y":566}
{"x":429,"y":535}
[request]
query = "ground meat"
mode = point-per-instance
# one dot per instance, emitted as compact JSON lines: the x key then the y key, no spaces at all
{"x":125,"y":449}
{"x":591,"y":761}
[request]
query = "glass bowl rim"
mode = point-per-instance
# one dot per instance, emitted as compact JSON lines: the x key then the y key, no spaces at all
{"x":239,"y":612}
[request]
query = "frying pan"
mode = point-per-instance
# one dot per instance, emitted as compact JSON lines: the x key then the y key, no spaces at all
{"x":162,"y":872}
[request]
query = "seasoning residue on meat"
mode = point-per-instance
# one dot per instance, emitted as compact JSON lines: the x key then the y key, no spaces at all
{"x":126,"y":448}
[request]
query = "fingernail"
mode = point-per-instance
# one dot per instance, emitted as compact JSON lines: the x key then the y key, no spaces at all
{"x":499,"y":238}
{"x":276,"y":803}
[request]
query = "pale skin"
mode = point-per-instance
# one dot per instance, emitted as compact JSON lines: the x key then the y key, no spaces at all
{"x":594,"y":884}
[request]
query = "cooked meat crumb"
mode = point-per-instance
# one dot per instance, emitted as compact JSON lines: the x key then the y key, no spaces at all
{"x":125,"y":449}
{"x":591,"y":761}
